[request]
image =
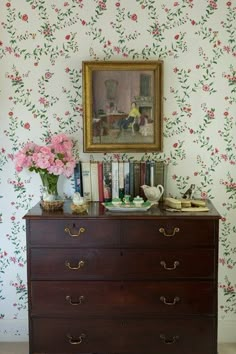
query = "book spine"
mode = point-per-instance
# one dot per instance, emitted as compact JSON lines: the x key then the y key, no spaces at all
{"x":94,"y":181}
{"x":115,"y":179}
{"x":152,"y":164}
{"x":121,"y":180}
{"x":148,"y":173}
{"x":136,"y":179}
{"x":159,"y":175}
{"x":100,"y":181}
{"x":78,"y":178}
{"x":86,"y":179}
{"x":107,"y":181}
{"x":126,"y":178}
{"x":142,"y":178}
{"x":131,"y":179}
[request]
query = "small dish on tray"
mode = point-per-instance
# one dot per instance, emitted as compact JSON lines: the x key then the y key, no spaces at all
{"x":127,"y":207}
{"x":116,"y":202}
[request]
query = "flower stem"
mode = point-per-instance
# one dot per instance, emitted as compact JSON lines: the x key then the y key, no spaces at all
{"x":49,"y":182}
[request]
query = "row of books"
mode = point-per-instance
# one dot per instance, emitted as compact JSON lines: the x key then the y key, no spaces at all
{"x":104,"y":180}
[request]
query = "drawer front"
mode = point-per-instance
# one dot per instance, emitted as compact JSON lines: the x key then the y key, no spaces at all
{"x":173,"y":232}
{"x":76,"y":233}
{"x":71,"y":264}
{"x":115,"y":298}
{"x":99,"y":264}
{"x":195,"y":336}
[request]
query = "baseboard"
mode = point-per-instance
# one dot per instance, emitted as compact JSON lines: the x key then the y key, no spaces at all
{"x":14,"y":330}
{"x":226,"y":331}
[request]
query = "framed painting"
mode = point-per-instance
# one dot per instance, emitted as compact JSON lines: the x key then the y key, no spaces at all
{"x":122,"y":104}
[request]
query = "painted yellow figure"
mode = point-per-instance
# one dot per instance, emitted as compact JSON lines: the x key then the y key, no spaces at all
{"x":134,"y":115}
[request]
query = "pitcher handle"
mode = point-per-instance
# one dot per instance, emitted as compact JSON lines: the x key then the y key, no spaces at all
{"x":161,"y":189}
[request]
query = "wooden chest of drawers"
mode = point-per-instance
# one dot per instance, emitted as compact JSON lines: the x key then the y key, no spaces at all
{"x":111,"y":283}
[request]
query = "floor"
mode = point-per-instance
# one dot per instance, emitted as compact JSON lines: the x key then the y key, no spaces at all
{"x":22,"y":348}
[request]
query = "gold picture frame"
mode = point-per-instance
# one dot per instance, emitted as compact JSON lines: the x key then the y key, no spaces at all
{"x":122,"y":103}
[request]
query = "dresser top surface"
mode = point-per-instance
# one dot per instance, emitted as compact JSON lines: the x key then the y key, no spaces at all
{"x":98,"y":211}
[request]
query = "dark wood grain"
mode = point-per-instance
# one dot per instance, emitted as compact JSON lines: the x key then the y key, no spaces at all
{"x":167,"y":233}
{"x":121,"y":298}
{"x":125,"y":336}
{"x":98,"y":211}
{"x":85,"y":233}
{"x":100,"y":264}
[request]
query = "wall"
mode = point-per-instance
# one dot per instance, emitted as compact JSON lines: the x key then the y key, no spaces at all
{"x":42,"y":46}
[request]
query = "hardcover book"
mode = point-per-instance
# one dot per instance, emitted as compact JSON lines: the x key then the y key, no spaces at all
{"x":148,"y":173}
{"x":86,"y":179}
{"x":131,"y":179}
{"x":136,"y":178}
{"x":78,"y":178}
{"x":94,"y":181}
{"x":115,"y":179}
{"x":142,"y":178}
{"x":126,"y":178}
{"x":107,"y":181}
{"x":100,"y":181}
{"x":159,"y":175}
{"x":121,"y":180}
{"x":152,"y":164}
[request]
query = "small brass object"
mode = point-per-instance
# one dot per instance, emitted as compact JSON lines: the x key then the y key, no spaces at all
{"x":79,"y":266}
{"x":81,"y":230}
{"x":75,"y":303}
{"x":166,"y":340}
{"x":76,"y":341}
{"x":163,"y":231}
{"x":163,"y":264}
{"x":174,"y":302}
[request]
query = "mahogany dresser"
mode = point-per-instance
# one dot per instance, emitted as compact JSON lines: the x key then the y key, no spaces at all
{"x":122,"y":283}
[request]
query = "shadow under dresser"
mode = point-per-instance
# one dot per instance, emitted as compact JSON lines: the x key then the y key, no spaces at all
{"x":122,"y":283}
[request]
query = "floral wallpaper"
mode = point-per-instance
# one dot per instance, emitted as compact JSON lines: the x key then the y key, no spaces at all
{"x":42,"y":46}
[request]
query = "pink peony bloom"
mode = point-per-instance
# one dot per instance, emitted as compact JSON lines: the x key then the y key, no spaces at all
{"x":55,"y":158}
{"x":69,"y":167}
{"x":61,"y":143}
{"x":58,"y":168}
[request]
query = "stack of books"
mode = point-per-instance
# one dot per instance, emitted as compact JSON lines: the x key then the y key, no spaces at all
{"x":103,"y":181}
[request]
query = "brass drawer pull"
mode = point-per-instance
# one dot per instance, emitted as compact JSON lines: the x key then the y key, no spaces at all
{"x":76,"y":341}
{"x":163,"y":231}
{"x":81,"y":230}
{"x":75,"y":303}
{"x":79,"y":266}
{"x":165,"y":340}
{"x":174,"y":302}
{"x":163,"y":264}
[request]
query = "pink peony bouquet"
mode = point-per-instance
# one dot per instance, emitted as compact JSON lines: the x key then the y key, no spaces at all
{"x":50,"y":161}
